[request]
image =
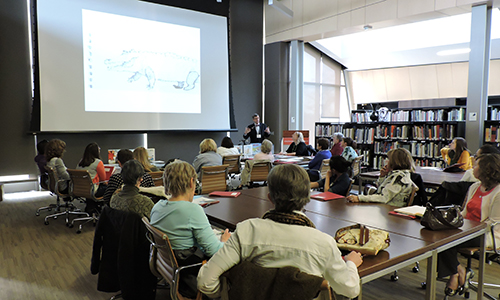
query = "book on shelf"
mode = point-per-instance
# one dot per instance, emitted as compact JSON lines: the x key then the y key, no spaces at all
{"x":493,"y":133}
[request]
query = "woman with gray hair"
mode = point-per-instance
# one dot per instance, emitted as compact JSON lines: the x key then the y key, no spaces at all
{"x":298,"y":147}
{"x":128,"y":198}
{"x":284,"y":237}
{"x":265,"y":151}
{"x":337,"y":148}
{"x":207,"y":156}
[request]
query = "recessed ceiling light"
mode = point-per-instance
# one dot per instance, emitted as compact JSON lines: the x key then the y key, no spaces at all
{"x":453,"y":51}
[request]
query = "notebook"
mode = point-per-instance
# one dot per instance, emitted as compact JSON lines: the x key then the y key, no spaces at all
{"x":414,"y":210}
{"x":225,"y":194}
{"x":327,"y":196}
{"x":203,"y":201}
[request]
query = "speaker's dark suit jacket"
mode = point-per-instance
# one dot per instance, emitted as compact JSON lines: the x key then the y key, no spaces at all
{"x":253,"y":133}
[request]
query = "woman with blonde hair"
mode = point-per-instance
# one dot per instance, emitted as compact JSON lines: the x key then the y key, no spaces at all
{"x":207,"y":156}
{"x":298,"y":147}
{"x":54,"y":153}
{"x":265,"y":151}
{"x":141,"y":155}
{"x":185,"y":223}
{"x":394,"y":184}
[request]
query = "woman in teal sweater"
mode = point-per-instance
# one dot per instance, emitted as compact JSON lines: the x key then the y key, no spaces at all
{"x":185,"y":223}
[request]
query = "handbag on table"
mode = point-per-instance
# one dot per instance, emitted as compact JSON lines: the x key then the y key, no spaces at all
{"x":442,"y":217}
{"x":362,"y":239}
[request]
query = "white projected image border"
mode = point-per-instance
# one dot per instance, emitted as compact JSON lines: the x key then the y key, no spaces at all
{"x":137,"y":65}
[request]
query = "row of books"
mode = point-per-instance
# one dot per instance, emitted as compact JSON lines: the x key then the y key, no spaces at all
{"x":364,"y":135}
{"x":495,"y":114}
{"x":361,"y":117}
{"x":434,"y":132}
{"x":349,"y":132}
{"x":436,"y":115}
{"x":491,"y":134}
{"x":392,"y":131}
{"x":418,"y":149}
{"x":327,"y":130}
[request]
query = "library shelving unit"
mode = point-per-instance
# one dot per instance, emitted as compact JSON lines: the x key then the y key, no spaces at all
{"x":422,"y":131}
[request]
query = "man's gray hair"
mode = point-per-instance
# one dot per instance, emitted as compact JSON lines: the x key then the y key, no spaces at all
{"x":289,"y":188}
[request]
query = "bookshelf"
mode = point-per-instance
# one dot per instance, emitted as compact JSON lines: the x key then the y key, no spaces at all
{"x":492,"y":125}
{"x":326,"y":130}
{"x":422,"y":131}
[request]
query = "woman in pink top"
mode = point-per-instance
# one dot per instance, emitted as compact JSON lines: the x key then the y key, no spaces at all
{"x":482,"y":205}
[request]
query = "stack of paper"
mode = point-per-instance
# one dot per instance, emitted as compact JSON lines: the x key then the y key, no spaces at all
{"x":413,"y":210}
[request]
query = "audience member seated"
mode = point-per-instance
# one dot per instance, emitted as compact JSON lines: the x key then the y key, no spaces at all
{"x":227,"y":147}
{"x":41,"y":162}
{"x":315,"y":164}
{"x":457,"y":153}
{"x":482,"y":205}
{"x":128,"y":198}
{"x":298,"y":147}
{"x":336,"y":178}
{"x":185,"y":223}
{"x":394,"y":184}
{"x":337,"y":148}
{"x":115,"y":181}
{"x":349,"y":152}
{"x":265,"y":151}
{"x":54,"y":153}
{"x":275,"y":240}
{"x":91,"y":161}
{"x":141,"y":155}
{"x":485,"y":149}
{"x":207,"y":156}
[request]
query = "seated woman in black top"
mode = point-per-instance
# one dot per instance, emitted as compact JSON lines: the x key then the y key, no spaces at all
{"x":298,"y":147}
{"x":336,"y":178}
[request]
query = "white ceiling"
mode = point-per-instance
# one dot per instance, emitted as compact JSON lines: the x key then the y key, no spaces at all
{"x":409,"y":44}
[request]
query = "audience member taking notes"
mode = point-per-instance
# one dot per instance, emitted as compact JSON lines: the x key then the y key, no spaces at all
{"x":284,"y":237}
{"x":185,"y":224}
{"x":256,"y":131}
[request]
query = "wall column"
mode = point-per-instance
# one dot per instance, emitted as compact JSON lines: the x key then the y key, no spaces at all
{"x":479,"y":63}
{"x":295,"y":105}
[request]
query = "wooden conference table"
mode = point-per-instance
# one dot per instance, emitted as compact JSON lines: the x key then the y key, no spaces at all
{"x":432,"y":177}
{"x":410,"y":242}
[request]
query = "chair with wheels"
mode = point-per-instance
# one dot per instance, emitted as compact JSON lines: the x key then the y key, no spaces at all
{"x":157,"y":178}
{"x":43,"y":180}
{"x":213,"y":178}
{"x":82,"y":187}
{"x":491,"y":255}
{"x":321,"y":173}
{"x":260,"y":171}
{"x":234,"y":163}
{"x":162,"y":261}
{"x":68,"y":206}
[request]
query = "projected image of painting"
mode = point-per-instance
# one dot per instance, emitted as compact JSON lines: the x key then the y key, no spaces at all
{"x":137,"y":65}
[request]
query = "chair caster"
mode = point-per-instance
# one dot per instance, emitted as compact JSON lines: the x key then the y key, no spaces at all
{"x":415,"y":269}
{"x":70,"y":225}
{"x":394,"y":277}
{"x":78,"y":231}
{"x":37,"y":214}
{"x":423,"y":285}
{"x":46,"y":222}
{"x":467,"y":295}
{"x":55,"y":217}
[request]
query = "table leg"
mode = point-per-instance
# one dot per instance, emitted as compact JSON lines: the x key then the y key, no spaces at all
{"x":430,"y":291}
{"x":480,"y":278}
